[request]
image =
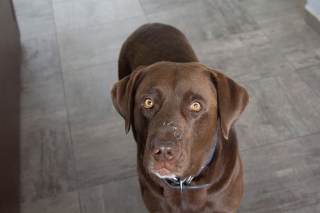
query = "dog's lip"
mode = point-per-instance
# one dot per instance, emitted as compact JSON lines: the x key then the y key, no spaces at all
{"x":164,"y":173}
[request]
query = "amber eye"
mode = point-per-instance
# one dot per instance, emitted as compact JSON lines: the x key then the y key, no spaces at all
{"x":148,"y":103}
{"x":195,"y":106}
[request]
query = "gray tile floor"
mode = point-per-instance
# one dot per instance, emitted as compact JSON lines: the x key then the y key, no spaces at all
{"x":75,"y":156}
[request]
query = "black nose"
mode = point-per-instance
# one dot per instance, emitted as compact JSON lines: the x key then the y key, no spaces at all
{"x":164,"y":150}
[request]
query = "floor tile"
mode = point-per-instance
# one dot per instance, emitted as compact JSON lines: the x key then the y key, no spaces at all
{"x":47,"y":169}
{"x":67,"y":202}
{"x":282,"y":176}
{"x":278,"y":110}
{"x":289,"y":30}
{"x":119,"y":196}
{"x":245,"y":62}
{"x":267,"y":10}
{"x":24,"y":5}
{"x":35,"y":21}
{"x":205,"y":20}
{"x":93,"y":13}
{"x":43,"y":104}
{"x":155,"y":6}
{"x":314,"y":207}
{"x":88,"y":91}
{"x":303,"y":98}
{"x":56,"y":1}
{"x":296,"y":40}
{"x":261,"y":70}
{"x":304,"y":55}
{"x":253,"y":40}
{"x":312,"y":76}
{"x":102,"y":150}
{"x":96,"y":45}
{"x":40,"y":60}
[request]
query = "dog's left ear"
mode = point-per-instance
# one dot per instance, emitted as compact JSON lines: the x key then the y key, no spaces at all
{"x":232,"y":100}
{"x":123,"y":93}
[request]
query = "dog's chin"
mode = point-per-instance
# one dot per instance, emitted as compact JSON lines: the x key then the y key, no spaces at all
{"x":165,"y":173}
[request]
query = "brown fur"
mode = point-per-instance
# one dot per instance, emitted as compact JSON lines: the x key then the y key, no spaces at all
{"x":157,"y":62}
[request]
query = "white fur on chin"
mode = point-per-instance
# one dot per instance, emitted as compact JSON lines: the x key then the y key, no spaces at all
{"x":172,"y":176}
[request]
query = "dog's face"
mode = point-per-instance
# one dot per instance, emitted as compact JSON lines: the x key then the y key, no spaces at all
{"x":175,"y":112}
{"x":174,"y":109}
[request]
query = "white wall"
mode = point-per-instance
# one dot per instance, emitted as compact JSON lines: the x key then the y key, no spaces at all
{"x":314,"y":6}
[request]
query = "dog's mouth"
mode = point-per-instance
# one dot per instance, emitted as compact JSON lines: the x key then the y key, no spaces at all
{"x":164,"y":169}
{"x":165,"y":174}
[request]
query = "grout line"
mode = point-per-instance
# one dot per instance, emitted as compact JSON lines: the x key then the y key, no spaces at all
{"x":23,"y":131}
{"x":87,"y":67}
{"x":41,"y":169}
{"x":295,"y":70}
{"x":98,"y":25}
{"x":66,"y":106}
{"x":278,"y":142}
{"x":289,"y":62}
{"x":110,"y":181}
{"x":144,"y":12}
{"x":315,"y":93}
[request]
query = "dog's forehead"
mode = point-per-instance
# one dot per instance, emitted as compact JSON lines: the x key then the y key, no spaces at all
{"x":178,"y":78}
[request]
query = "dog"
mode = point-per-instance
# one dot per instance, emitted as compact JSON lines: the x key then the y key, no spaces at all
{"x":182,"y":115}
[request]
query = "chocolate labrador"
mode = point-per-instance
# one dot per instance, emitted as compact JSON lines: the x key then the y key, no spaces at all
{"x":182,"y":116}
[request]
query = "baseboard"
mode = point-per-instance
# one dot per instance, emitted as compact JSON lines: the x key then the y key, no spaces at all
{"x":312,"y":19}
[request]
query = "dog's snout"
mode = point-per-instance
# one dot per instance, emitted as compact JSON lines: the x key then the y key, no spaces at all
{"x":164,"y":150}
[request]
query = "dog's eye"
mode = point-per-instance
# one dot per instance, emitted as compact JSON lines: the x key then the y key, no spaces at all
{"x":195,"y":106}
{"x":148,"y":103}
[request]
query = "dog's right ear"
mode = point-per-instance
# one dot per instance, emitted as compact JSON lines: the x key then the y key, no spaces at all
{"x":123,"y":93}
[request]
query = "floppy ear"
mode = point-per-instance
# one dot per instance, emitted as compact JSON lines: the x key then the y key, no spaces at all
{"x":123,"y":93}
{"x":232,"y":100}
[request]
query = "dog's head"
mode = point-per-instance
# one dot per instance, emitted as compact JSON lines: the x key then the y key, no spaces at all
{"x":173,"y":109}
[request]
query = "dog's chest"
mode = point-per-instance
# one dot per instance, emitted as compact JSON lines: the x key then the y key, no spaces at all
{"x":187,"y":200}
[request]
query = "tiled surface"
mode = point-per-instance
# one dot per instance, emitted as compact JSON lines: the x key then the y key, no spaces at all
{"x":65,"y":202}
{"x":75,"y":155}
{"x":206,"y":17}
{"x":242,"y":57}
{"x":40,"y":60}
{"x":75,"y":14}
{"x":35,"y":20}
{"x":268,"y":10}
{"x":48,"y":168}
{"x":312,"y":76}
{"x":102,"y":150}
{"x":87,"y":91}
{"x":43,"y":104}
{"x":280,"y":178}
{"x":296,"y":40}
{"x":103,"y":198}
{"x":273,"y":116}
{"x":91,"y":46}
{"x":282,"y":107}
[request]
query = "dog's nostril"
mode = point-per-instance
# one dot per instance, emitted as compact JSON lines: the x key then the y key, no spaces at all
{"x":170,"y":152}
{"x":164,"y":150}
{"x":156,"y":152}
